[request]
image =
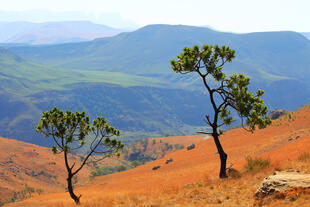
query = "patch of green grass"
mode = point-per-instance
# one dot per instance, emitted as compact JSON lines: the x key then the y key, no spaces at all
{"x":100,"y":171}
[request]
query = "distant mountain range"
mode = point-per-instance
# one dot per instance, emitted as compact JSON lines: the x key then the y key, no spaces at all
{"x":273,"y":55}
{"x":127,"y":78}
{"x":53,"y":32}
{"x":306,"y":34}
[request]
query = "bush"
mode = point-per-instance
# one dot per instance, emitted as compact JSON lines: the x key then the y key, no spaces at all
{"x":256,"y":164}
{"x":178,"y":146}
{"x":108,"y":170}
{"x":25,"y":193}
{"x":135,"y":163}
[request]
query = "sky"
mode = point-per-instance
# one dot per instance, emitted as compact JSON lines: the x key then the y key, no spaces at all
{"x":238,"y":16}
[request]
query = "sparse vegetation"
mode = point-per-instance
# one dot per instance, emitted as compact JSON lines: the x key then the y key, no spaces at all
{"x":109,"y":170}
{"x":305,"y":156}
{"x":256,"y":164}
{"x":23,"y":194}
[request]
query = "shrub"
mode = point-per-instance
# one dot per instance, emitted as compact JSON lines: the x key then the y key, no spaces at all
{"x":256,"y":164}
{"x":178,"y":146}
{"x":108,"y":170}
{"x":305,"y":156}
{"x":135,"y":163}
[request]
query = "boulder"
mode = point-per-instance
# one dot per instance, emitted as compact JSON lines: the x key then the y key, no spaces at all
{"x":190,"y":147}
{"x":156,"y":168}
{"x":274,"y":114}
{"x":287,"y":184}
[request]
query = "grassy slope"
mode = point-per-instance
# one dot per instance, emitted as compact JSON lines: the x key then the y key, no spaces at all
{"x":190,"y":180}
{"x":149,"y":49}
{"x":276,"y":61}
{"x":140,"y":106}
{"x":22,"y":77}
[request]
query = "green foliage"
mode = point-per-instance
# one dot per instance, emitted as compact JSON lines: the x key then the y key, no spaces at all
{"x":232,"y":92}
{"x":68,"y":128}
{"x":178,"y":146}
{"x":254,"y":165}
{"x":135,"y":163}
{"x":109,"y":170}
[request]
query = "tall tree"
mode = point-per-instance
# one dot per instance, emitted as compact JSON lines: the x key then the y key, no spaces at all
{"x":69,"y":131}
{"x":226,"y":94}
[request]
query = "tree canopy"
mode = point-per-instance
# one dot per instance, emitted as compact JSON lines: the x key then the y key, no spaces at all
{"x":70,"y":131}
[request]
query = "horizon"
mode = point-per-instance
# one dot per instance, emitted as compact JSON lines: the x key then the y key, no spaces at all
{"x":139,"y":27}
{"x":243,"y":16}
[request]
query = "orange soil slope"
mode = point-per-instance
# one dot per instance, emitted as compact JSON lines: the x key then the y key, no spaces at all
{"x":285,"y":139}
{"x":23,"y":163}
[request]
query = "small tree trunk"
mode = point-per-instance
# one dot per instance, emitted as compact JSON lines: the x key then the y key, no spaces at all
{"x":70,"y":189}
{"x":223,"y":155}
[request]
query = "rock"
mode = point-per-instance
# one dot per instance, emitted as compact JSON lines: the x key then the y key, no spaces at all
{"x":274,"y":114}
{"x":290,"y":139}
{"x":156,"y":168}
{"x":169,"y":160}
{"x":297,"y":137}
{"x":190,"y":147}
{"x":287,"y":184}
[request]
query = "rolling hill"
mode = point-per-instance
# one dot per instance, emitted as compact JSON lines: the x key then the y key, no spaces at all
{"x":139,"y":106}
{"x":127,"y":78}
{"x":190,"y":179}
{"x":267,"y":55}
{"x":276,"y":61}
{"x":53,"y":32}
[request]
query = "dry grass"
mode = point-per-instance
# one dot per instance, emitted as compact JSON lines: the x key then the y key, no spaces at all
{"x":210,"y":191}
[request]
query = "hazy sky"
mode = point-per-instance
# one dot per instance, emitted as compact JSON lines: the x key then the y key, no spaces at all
{"x":225,"y":15}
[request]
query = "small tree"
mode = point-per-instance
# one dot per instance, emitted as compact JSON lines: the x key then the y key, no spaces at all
{"x":69,"y":131}
{"x":225,"y":94}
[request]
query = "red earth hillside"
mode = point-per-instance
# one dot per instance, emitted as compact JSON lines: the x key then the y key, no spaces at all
{"x":287,"y":138}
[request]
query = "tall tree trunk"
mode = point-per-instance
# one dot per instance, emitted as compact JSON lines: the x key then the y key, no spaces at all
{"x":70,"y":189}
{"x":223,"y":155}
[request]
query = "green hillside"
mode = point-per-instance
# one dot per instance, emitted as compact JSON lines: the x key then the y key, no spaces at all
{"x":149,"y":49}
{"x":127,"y":79}
{"x":19,"y":76}
{"x":139,"y":106}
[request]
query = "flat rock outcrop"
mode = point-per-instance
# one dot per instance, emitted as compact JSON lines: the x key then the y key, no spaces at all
{"x":287,"y":184}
